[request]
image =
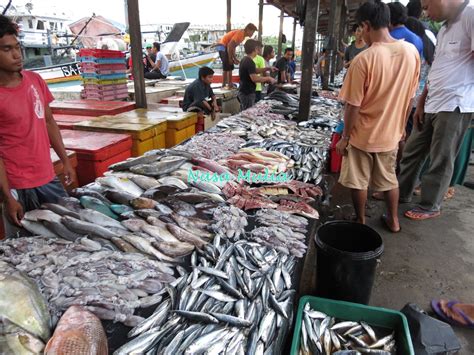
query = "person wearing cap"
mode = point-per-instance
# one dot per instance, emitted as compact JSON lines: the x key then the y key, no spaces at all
{"x":226,"y":48}
{"x":160,"y":69}
{"x":150,"y":57}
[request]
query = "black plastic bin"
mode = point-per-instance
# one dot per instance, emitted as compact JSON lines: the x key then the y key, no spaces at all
{"x":347,"y":255}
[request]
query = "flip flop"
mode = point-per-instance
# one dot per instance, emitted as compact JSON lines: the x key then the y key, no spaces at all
{"x":419,"y":214}
{"x":435,"y":305}
{"x":384,"y":219}
{"x":454,"y":306}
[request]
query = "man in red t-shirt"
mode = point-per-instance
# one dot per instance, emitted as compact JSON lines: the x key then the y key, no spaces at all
{"x":226,"y":48}
{"x":27,"y":130}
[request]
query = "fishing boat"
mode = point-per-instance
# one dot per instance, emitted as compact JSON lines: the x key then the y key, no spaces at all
{"x":97,"y":32}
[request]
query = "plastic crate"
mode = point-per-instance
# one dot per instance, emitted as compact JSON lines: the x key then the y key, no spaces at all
{"x":100,"y":53}
{"x":90,"y":108}
{"x":102,"y":60}
{"x":94,"y":81}
{"x":374,"y":316}
{"x":95,"y":66}
{"x":96,"y":151}
{"x":98,"y":76}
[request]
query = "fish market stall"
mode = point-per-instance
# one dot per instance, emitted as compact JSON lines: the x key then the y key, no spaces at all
{"x":180,"y":250}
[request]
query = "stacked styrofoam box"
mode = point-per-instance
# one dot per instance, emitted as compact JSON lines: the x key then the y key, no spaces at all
{"x":104,"y":74}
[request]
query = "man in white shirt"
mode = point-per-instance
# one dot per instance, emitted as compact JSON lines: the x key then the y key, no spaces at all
{"x":444,"y":111}
{"x":161,"y":68}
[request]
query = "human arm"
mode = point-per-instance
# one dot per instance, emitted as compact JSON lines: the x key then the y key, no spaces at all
{"x":262,"y":79}
{"x":347,"y":58}
{"x":231,"y":52}
{"x":351,"y":114}
{"x":157,"y":65}
{"x":14,"y":210}
{"x":57,"y":143}
{"x":215,"y":106}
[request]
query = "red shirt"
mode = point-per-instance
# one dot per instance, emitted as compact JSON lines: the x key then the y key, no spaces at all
{"x":24,"y":140}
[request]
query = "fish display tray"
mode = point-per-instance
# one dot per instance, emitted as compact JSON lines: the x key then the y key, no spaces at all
{"x":374,"y":316}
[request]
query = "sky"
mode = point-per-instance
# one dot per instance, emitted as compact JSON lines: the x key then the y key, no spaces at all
{"x":161,"y":11}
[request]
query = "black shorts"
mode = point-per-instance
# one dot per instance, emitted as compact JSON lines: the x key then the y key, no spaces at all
{"x":226,"y":64}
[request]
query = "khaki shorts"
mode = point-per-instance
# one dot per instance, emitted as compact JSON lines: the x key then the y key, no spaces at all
{"x":362,"y":169}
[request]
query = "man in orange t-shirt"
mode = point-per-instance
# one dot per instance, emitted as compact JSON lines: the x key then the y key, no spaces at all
{"x":378,"y":91}
{"x":226,"y":48}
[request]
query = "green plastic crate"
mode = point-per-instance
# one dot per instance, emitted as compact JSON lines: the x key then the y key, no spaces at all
{"x":375,"y":316}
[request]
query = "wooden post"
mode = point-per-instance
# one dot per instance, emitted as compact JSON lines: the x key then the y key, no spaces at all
{"x":293,"y":39}
{"x":280,"y":34}
{"x":309,"y":34}
{"x":229,"y":14}
{"x":260,"y":20}
{"x":331,"y":46}
{"x":137,"y":54}
{"x":337,"y":36}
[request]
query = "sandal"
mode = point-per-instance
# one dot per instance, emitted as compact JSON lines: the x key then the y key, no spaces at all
{"x":419,"y":214}
{"x":384,"y":219}
{"x":454,"y":312}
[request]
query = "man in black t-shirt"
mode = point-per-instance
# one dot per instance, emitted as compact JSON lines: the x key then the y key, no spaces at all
{"x":248,"y":75}
{"x":282,"y":65}
{"x":199,"y":96}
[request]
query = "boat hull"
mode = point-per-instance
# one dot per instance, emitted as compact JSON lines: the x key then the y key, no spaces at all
{"x":187,"y":67}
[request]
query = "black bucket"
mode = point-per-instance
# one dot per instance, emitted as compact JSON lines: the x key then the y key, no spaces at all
{"x":347,"y":255}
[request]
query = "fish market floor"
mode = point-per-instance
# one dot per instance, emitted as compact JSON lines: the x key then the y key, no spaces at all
{"x":426,"y":260}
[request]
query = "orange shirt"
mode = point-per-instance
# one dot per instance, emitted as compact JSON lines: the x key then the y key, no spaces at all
{"x":381,"y":80}
{"x":237,"y":35}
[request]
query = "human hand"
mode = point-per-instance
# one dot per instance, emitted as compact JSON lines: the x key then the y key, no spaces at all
{"x":341,"y":146}
{"x":419,"y":118}
{"x":14,"y":211}
{"x":216,"y":107}
{"x":274,"y":69}
{"x":272,"y":81}
{"x":236,"y":61}
{"x":69,"y":174}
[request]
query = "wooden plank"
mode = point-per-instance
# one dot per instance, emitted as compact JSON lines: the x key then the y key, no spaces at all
{"x":311,"y":23}
{"x":137,"y":54}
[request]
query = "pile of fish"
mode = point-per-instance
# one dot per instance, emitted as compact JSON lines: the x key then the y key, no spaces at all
{"x":282,"y":238}
{"x":78,"y":332}
{"x":215,"y":145}
{"x":238,"y":299}
{"x":322,"y":334}
{"x":309,"y":159}
{"x":270,"y":218}
{"x":109,"y":284}
{"x":257,"y":161}
{"x":293,"y":197}
{"x":263,"y":108}
{"x":229,"y":222}
{"x":306,"y":143}
{"x":25,"y":324}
